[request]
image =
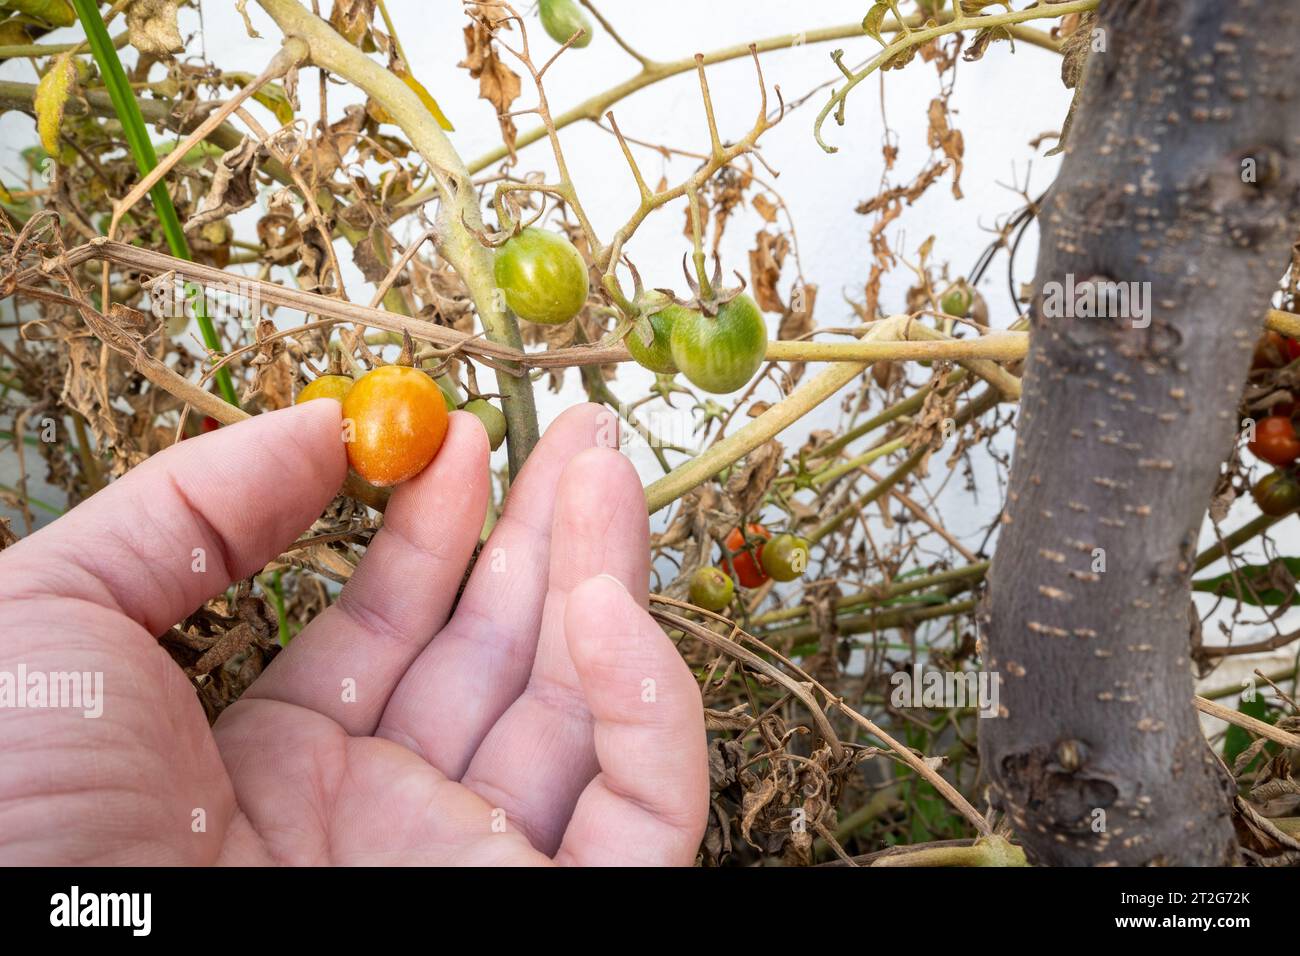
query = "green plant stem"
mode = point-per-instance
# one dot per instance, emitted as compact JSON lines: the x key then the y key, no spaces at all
{"x":137,"y":137}
{"x":96,"y":102}
{"x":652,"y":72}
{"x":991,"y":851}
{"x":34,"y":502}
{"x":52,"y":49}
{"x":880,"y":594}
{"x":947,"y":23}
{"x":276,"y":590}
{"x":973,"y":409}
{"x":772,"y":421}
{"x":881,"y":620}
{"x":459,"y":217}
{"x":1236,"y":539}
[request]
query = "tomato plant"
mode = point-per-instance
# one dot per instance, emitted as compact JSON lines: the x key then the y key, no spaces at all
{"x":658,"y":355}
{"x":720,"y":353}
{"x":562,"y":18}
{"x":326,"y":386}
{"x":398,"y":419}
{"x":748,"y":570}
{"x":1277,"y":493}
{"x":542,"y":275}
{"x":711,"y":589}
{"x":785,"y":557}
{"x":1275,"y":440}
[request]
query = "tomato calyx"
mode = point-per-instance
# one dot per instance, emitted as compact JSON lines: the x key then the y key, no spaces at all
{"x":710,"y":302}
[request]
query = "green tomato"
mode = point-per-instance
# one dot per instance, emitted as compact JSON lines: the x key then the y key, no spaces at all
{"x":562,"y":19}
{"x":493,"y":419}
{"x":785,"y":557}
{"x":711,"y":589}
{"x":658,"y":355}
{"x":1277,"y":493}
{"x":956,"y":301}
{"x":543,"y":276}
{"x":720,"y":354}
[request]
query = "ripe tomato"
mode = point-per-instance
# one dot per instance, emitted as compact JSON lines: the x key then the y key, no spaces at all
{"x":1277,"y":494}
{"x":543,"y":276}
{"x":1275,"y":440}
{"x":327,"y":386}
{"x":720,"y":353}
{"x":749,"y":571}
{"x":494,"y":421}
{"x":711,"y":589}
{"x":398,"y":420}
{"x":658,"y":355}
{"x":785,"y":557}
{"x":562,"y":19}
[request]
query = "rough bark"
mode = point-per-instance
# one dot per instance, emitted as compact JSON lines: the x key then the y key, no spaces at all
{"x":1098,"y":757}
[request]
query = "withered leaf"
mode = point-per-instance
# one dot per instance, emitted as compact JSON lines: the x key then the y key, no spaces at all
{"x":749,"y":482}
{"x":949,"y":140}
{"x":351,"y":18}
{"x":765,"y":261}
{"x":234,"y":185}
{"x":764,"y":207}
{"x":497,"y":83}
{"x":151,"y":26}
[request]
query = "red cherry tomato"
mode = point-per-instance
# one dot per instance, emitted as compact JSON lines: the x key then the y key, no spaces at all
{"x":749,"y":571}
{"x":1275,"y":441}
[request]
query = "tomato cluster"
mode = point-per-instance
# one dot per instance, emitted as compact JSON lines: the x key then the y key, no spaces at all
{"x":752,"y":557}
{"x":718,"y":347}
{"x":1275,"y":439}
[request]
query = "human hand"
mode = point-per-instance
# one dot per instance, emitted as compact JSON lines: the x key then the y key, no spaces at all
{"x":546,"y":718}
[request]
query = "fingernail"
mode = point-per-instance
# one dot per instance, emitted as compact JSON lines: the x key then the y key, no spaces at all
{"x":609,"y":577}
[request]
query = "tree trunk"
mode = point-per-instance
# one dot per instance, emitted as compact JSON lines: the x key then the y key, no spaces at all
{"x":1180,"y":175}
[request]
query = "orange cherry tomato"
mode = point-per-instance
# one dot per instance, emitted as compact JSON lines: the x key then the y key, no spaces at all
{"x":1275,"y":440}
{"x":395,"y":419}
{"x":327,"y":386}
{"x":749,"y":569}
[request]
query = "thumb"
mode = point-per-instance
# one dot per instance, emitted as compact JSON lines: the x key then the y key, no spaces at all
{"x":650,"y":801}
{"x":180,"y":527}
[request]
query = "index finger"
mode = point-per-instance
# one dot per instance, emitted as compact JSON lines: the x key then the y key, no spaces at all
{"x":177,"y":529}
